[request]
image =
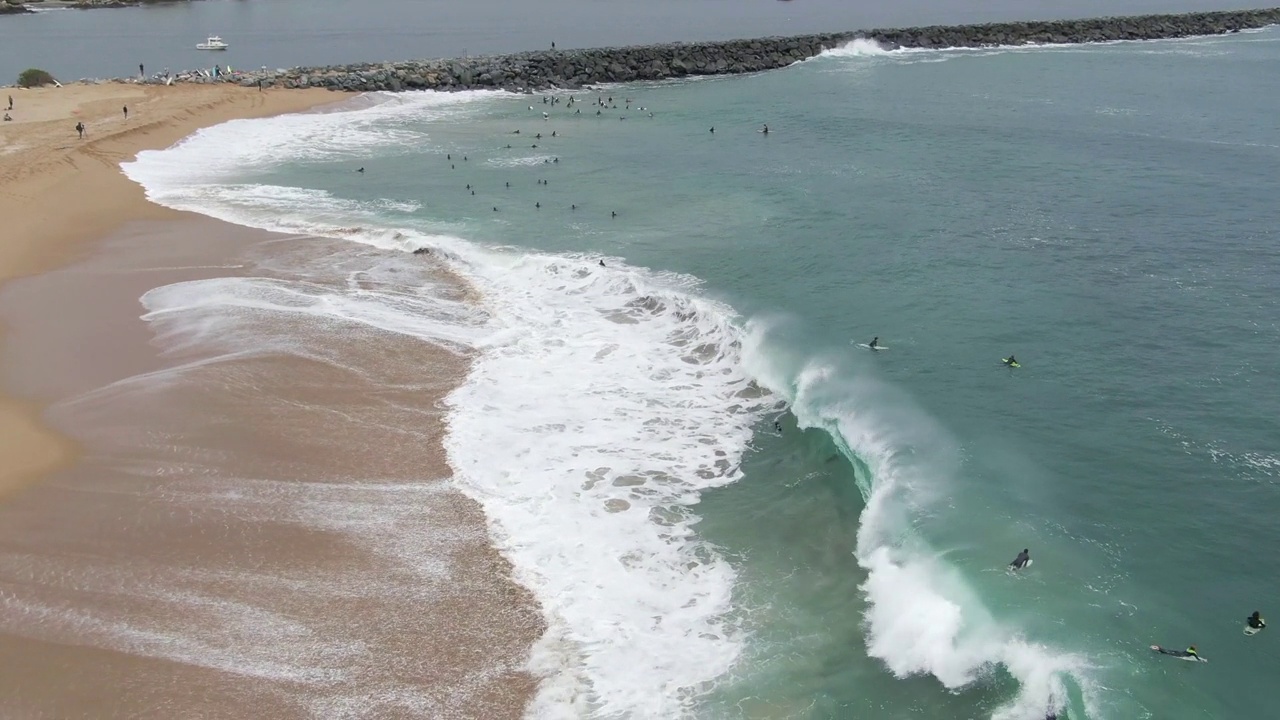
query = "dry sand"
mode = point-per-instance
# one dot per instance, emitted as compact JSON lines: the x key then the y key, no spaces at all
{"x":58,"y":192}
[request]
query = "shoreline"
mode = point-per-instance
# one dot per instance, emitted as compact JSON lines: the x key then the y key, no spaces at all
{"x":59,"y":194}
{"x":84,"y":242}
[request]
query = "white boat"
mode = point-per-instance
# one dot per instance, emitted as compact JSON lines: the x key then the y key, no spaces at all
{"x":213,"y":43}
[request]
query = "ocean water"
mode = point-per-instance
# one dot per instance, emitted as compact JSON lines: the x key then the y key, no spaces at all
{"x":727,"y":508}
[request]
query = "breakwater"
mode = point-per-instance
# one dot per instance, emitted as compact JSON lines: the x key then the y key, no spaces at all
{"x":542,"y":70}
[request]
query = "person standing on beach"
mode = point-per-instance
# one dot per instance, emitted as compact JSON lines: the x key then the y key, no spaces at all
{"x":80,"y":129}
{"x":141,"y":72}
{"x":10,"y":102}
{"x":126,"y":112}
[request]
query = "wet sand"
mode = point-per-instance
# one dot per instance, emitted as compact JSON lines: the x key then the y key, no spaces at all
{"x":59,"y":192}
{"x":255,"y":534}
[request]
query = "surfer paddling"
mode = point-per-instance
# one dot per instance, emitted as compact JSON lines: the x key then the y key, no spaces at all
{"x":875,"y":343}
{"x":1255,"y":621}
{"x":1188,"y":654}
{"x":1023,"y":560}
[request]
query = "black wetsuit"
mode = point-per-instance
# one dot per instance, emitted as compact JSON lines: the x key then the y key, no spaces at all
{"x":1179,"y":653}
{"x":1021,"y":561}
{"x":1256,"y":622}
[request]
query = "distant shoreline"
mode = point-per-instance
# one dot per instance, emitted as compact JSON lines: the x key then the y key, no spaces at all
{"x":26,"y":6}
{"x":540,"y":70}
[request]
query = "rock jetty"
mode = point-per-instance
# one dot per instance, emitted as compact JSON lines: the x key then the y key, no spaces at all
{"x":543,"y":70}
{"x":19,"y":6}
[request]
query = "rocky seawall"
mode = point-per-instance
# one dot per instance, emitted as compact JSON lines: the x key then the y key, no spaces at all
{"x":21,"y":6}
{"x":547,"y":69}
{"x":542,"y":70}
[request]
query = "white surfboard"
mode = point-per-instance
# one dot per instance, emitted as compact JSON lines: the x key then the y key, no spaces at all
{"x":1024,"y":567}
{"x":1251,"y":630}
{"x":876,"y":348}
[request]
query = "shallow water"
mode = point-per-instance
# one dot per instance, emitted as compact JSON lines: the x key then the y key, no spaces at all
{"x":1105,"y":213}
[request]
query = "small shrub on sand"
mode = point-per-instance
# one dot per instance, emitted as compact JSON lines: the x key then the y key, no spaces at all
{"x":34,"y":77}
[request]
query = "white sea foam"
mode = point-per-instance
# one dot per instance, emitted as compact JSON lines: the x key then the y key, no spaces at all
{"x":520,"y":161}
{"x":1198,"y":45}
{"x":859,"y":47}
{"x":241,"y":147}
{"x":603,"y":402}
{"x":616,"y":399}
{"x":923,"y":619}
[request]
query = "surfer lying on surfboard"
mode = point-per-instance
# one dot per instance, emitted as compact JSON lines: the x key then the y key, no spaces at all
{"x":1188,"y":654}
{"x":1255,"y":621}
{"x":1011,"y":361}
{"x":1023,"y":560}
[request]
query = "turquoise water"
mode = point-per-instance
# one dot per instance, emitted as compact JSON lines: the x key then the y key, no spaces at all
{"x":1106,"y":213}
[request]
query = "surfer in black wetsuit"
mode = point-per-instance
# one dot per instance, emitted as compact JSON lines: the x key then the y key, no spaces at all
{"x":1190,"y":652}
{"x":875,"y":342}
{"x":765,"y":130}
{"x":1255,"y":621}
{"x":1011,"y":361}
{"x":1021,"y":561}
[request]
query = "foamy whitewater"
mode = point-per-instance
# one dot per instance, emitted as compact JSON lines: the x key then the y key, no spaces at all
{"x":606,"y":406}
{"x":603,"y":401}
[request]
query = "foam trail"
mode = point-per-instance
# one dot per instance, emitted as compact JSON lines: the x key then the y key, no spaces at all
{"x":923,"y":617}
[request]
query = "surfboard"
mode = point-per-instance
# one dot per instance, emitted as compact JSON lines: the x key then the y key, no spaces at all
{"x":1006,"y":363}
{"x":1024,"y":567}
{"x":1252,"y":630}
{"x":1189,"y":658}
{"x":876,"y":348}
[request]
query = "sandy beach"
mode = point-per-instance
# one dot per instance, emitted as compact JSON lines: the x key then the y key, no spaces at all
{"x":59,"y":192}
{"x":251,"y":536}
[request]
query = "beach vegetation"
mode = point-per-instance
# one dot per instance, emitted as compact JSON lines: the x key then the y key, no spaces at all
{"x":34,"y":77}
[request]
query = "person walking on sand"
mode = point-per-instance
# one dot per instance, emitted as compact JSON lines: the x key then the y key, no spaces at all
{"x":10,"y":102}
{"x":126,"y":112}
{"x":80,"y":129}
{"x":142,"y":73}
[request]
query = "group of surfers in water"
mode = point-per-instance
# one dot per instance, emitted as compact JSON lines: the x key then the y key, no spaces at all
{"x":1254,"y":624}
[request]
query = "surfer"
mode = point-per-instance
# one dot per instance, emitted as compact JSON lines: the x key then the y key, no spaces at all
{"x":1190,"y":652}
{"x":1011,"y":361}
{"x":875,"y":342}
{"x":1023,"y":559}
{"x":1255,"y":621}
{"x":765,"y":130}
